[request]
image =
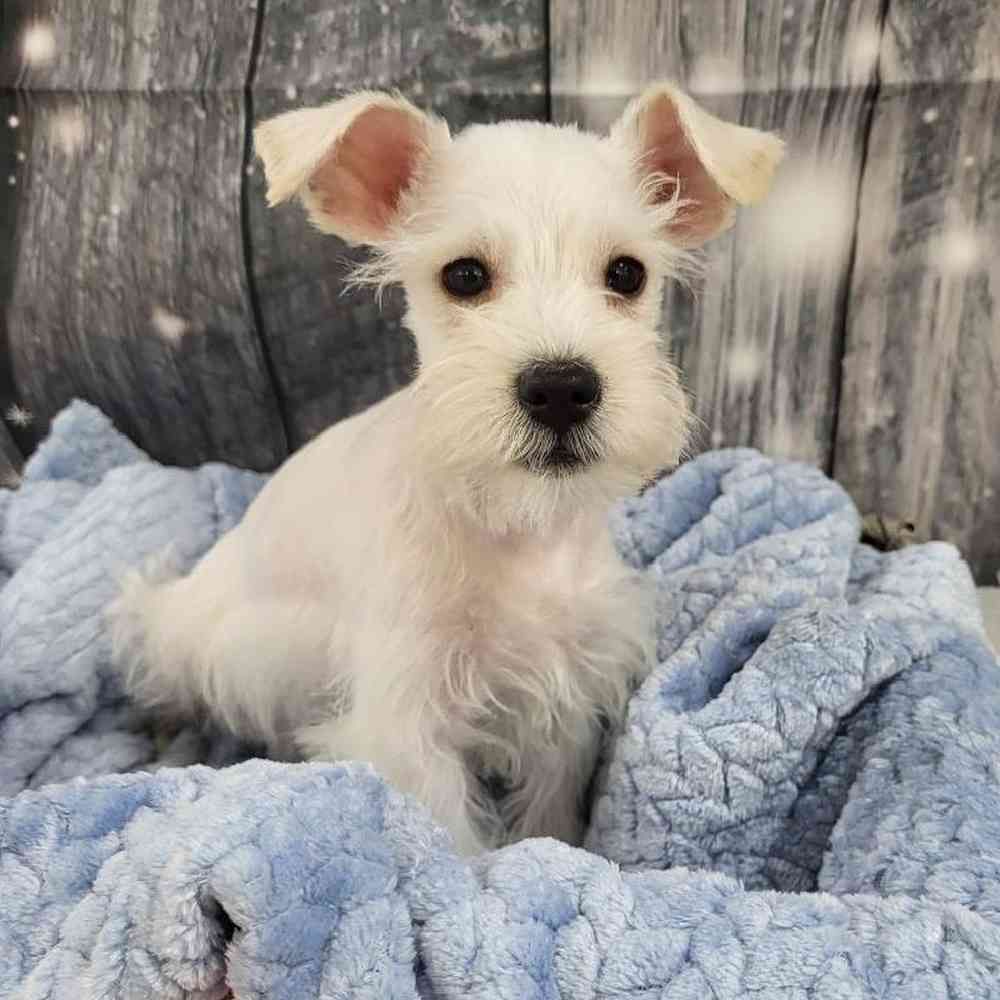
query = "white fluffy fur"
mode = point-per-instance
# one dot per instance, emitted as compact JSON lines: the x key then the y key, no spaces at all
{"x":406,"y":590}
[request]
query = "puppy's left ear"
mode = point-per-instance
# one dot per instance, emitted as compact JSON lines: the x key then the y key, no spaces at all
{"x":709,"y":165}
{"x":350,"y":162}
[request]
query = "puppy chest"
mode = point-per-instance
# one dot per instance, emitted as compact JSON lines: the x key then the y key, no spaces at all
{"x":542,"y":603}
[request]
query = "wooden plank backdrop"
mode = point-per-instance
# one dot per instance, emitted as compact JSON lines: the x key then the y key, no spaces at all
{"x":16,"y":441}
{"x":919,"y":429}
{"x":130,"y":288}
{"x":124,"y":45}
{"x":851,"y":321}
{"x":9,"y":252}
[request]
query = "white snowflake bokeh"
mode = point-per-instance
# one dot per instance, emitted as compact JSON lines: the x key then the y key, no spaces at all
{"x":863,"y":50}
{"x":606,"y":77}
{"x":808,"y":219}
{"x":68,"y":130}
{"x":743,"y":364}
{"x":168,"y":325}
{"x":38,"y":44}
{"x":19,"y":415}
{"x":959,"y":249}
{"x":716,"y":75}
{"x":879,"y":413}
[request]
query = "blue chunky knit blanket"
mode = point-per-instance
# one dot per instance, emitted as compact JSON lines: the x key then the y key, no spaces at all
{"x":805,"y":802}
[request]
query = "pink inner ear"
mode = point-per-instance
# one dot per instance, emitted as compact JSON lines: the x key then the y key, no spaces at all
{"x":362,"y":178}
{"x":669,"y":152}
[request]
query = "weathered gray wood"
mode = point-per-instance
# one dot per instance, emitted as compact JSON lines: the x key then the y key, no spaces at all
{"x":13,"y":157}
{"x":13,"y":163}
{"x":604,"y":51}
{"x":944,"y":41}
{"x":469,"y":60}
{"x":119,"y":45}
{"x":141,"y":304}
{"x":759,"y":336}
{"x":920,"y":406}
{"x":130,"y":288}
{"x":11,"y":460}
{"x":921,"y":389}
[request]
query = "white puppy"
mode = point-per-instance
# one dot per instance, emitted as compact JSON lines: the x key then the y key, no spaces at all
{"x":431,"y":585}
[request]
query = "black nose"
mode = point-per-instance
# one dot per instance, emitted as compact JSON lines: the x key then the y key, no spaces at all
{"x":559,"y":394}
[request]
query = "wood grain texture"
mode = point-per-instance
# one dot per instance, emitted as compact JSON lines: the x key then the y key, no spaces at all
{"x":943,"y":41}
{"x":607,"y":49}
{"x":117,"y":45}
{"x":130,"y":289}
{"x":759,"y":335}
{"x":468,"y":60}
{"x":11,"y":460}
{"x":12,"y":161}
{"x":920,"y":409}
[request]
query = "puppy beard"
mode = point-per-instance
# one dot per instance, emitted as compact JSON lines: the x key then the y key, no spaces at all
{"x":490,"y":461}
{"x":510,"y":473}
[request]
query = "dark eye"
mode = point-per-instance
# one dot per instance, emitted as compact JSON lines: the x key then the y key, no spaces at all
{"x":625,"y":275}
{"x":465,"y":278}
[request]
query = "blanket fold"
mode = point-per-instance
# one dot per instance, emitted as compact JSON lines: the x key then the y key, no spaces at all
{"x":804,"y":801}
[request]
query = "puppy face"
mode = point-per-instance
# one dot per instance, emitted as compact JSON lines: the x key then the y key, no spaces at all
{"x":533,"y":259}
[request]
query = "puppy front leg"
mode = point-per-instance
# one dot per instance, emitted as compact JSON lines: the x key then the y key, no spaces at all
{"x":548,"y":802}
{"x":411,"y":758}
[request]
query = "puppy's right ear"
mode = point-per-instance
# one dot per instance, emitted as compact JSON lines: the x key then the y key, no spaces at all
{"x":350,"y":162}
